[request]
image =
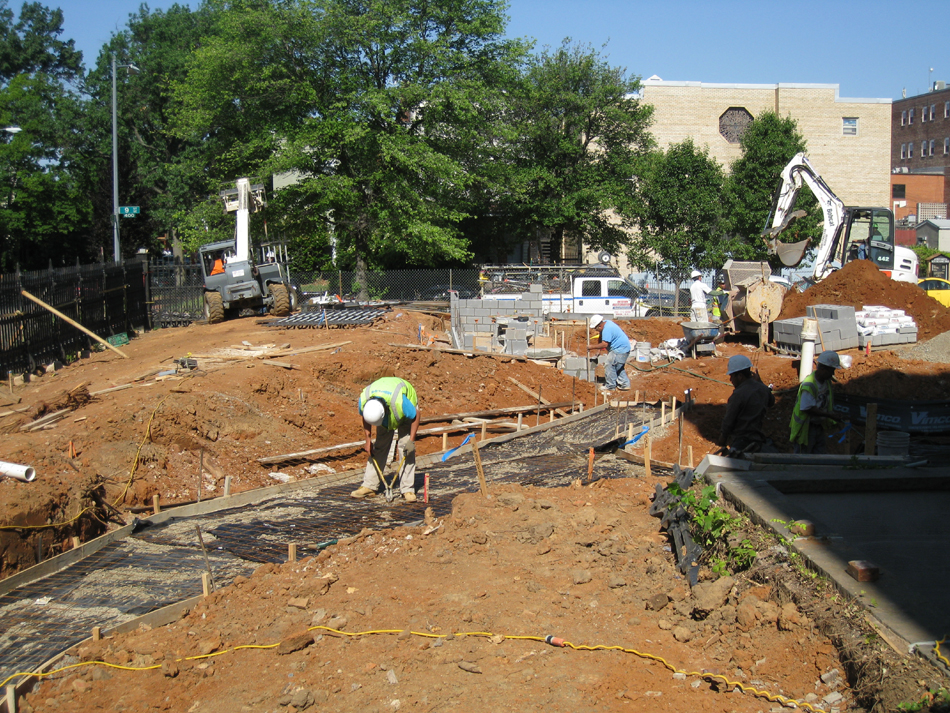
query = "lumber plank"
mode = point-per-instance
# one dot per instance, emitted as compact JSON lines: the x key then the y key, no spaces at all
{"x":488,"y":413}
{"x":281,"y":364}
{"x":464,"y":352}
{"x":536,"y":395}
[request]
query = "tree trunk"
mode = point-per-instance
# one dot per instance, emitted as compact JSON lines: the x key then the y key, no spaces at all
{"x":362,"y":274}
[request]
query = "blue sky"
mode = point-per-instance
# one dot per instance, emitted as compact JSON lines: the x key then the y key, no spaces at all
{"x":871,"y":48}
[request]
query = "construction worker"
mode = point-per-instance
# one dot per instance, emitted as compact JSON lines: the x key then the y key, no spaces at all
{"x":612,"y":338}
{"x":391,"y":405}
{"x":814,"y":405}
{"x":745,"y":412}
{"x":697,"y":292}
{"x":717,"y":299}
{"x":218,"y":268}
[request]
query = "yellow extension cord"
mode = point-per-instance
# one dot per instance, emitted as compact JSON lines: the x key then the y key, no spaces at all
{"x":553,"y":641}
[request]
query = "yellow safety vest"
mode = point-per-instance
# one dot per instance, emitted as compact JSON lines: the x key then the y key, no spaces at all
{"x":391,"y":390}
{"x":800,"y":421}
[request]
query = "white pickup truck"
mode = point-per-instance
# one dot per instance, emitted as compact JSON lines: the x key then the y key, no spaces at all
{"x":588,"y":289}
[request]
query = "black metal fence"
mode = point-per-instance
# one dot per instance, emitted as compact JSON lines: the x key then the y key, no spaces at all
{"x":106,"y":299}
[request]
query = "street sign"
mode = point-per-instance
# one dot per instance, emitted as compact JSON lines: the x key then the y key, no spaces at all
{"x":125,"y":210}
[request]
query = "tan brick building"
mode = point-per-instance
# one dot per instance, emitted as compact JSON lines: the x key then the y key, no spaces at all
{"x":848,"y":140}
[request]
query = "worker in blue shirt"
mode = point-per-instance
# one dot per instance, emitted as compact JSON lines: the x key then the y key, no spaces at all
{"x":611,"y":337}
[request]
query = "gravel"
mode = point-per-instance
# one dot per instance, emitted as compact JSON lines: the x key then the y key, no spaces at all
{"x":934,"y":350}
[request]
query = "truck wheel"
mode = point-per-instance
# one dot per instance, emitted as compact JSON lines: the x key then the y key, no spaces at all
{"x":214,"y":307}
{"x":281,"y":304}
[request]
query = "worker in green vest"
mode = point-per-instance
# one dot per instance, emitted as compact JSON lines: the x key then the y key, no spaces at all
{"x":814,"y":405}
{"x":391,"y":405}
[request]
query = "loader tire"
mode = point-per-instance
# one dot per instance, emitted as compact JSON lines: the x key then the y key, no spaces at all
{"x":281,"y":304}
{"x":214,"y":308}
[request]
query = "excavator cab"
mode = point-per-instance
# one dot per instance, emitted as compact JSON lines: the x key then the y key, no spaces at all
{"x":869,"y":235}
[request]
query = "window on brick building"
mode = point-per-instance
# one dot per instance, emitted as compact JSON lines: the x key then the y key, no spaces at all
{"x":932,"y":111}
{"x":946,"y":147}
{"x":903,"y":151}
{"x":923,"y":149}
{"x":904,"y":117}
{"x":946,"y":110}
{"x":849,"y":126}
{"x":900,"y":191}
{"x":910,"y":116}
{"x":931,"y":147}
{"x":910,"y":150}
{"x":923,"y":114}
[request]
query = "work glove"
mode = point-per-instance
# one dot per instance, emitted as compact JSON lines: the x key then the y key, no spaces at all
{"x":409,"y":449}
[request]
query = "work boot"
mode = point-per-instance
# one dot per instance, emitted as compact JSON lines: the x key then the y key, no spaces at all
{"x":623,"y":388}
{"x":362,"y":492}
{"x":409,"y":496}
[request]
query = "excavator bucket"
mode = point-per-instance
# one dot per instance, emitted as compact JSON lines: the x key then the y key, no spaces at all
{"x":791,"y":254}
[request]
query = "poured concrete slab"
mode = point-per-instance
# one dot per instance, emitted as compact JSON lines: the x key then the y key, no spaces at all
{"x":895,"y":518}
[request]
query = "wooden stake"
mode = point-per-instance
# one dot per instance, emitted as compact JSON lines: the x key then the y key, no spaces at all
{"x":679,"y":448}
{"x":870,"y":431}
{"x":201,"y":467}
{"x":551,"y":416}
{"x":689,"y":456}
{"x":227,"y":485}
{"x":76,"y":542}
{"x":74,"y":323}
{"x":10,"y":380}
{"x":629,"y":431}
{"x":590,"y":464}
{"x":647,"y":453}
{"x":96,"y":633}
{"x":292,"y":552}
{"x":205,"y":583}
{"x":673,"y":406}
{"x":482,"y":483}
{"x":445,"y":442}
{"x":156,"y":505}
{"x":11,"y":697}
{"x":663,"y":413}
{"x":520,"y":418}
{"x":484,"y":430}
{"x":425,"y":489}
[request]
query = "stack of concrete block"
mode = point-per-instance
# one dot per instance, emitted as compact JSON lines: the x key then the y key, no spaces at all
{"x":579,"y":367}
{"x":882,"y":326}
{"x":474,"y":321}
{"x":837,"y":324}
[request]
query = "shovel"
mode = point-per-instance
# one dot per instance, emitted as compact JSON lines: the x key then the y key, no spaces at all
{"x":390,"y":496}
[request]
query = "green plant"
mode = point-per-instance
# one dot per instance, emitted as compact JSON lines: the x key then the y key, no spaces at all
{"x":932,"y":700}
{"x":711,"y":525}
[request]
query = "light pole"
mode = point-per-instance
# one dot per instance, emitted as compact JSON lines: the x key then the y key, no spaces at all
{"x":115,"y":161}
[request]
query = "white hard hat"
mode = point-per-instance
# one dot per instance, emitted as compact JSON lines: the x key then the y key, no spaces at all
{"x":595,"y":320}
{"x":739,"y":362}
{"x":829,"y":358}
{"x":695,"y":273}
{"x":374,"y":412}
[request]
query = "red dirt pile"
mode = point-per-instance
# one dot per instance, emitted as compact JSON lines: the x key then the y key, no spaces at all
{"x":859,"y":283}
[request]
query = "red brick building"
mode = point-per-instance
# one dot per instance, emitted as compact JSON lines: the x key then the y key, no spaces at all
{"x":920,"y":154}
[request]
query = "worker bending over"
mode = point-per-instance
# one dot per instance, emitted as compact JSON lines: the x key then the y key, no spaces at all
{"x":391,"y":405}
{"x":745,"y":412}
{"x":611,"y":337}
{"x":814,"y":406}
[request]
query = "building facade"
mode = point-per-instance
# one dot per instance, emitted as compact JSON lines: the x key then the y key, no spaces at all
{"x":848,"y":140}
{"x":920,"y":154}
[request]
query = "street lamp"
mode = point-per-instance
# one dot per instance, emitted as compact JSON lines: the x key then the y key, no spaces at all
{"x":115,"y":160}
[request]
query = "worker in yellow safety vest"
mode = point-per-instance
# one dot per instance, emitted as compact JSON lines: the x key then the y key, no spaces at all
{"x":814,"y":405}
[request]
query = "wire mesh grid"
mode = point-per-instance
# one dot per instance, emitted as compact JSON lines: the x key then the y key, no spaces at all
{"x":163,"y":563}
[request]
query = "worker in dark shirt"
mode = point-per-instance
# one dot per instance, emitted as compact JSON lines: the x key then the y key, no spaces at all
{"x":745,"y":412}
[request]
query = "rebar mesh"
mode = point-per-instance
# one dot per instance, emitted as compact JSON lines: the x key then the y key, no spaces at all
{"x":163,"y":563}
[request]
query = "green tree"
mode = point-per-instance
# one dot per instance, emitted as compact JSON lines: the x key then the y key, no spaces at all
{"x":681,"y":223}
{"x":42,"y":211}
{"x":768,"y":145}
{"x":361,"y":100}
{"x":579,"y":134}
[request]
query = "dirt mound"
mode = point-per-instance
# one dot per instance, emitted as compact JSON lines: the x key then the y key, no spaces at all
{"x":860,"y":283}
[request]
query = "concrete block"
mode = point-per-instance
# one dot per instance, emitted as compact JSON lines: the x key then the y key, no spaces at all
{"x":516,"y":346}
{"x":534,"y":287}
{"x":467,"y":339}
{"x":573,"y":363}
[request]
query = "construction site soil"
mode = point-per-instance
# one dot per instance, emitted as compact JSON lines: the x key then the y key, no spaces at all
{"x":602,"y":575}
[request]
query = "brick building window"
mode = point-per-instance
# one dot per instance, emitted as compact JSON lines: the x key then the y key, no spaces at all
{"x":946,"y":110}
{"x":946,"y":147}
{"x":931,"y":147}
{"x":900,"y":191}
{"x":910,"y":116}
{"x":923,"y":114}
{"x":910,"y":150}
{"x":923,"y":149}
{"x":849,"y":126}
{"x":903,"y":151}
{"x":932,"y":111}
{"x":904,"y":117}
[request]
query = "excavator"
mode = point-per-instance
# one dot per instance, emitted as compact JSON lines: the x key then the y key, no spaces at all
{"x":848,"y":233}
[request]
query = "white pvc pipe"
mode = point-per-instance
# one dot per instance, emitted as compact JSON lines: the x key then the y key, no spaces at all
{"x":809,"y":336}
{"x":26,"y":473}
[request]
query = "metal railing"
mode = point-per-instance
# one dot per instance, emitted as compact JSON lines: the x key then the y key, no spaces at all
{"x":106,"y":299}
